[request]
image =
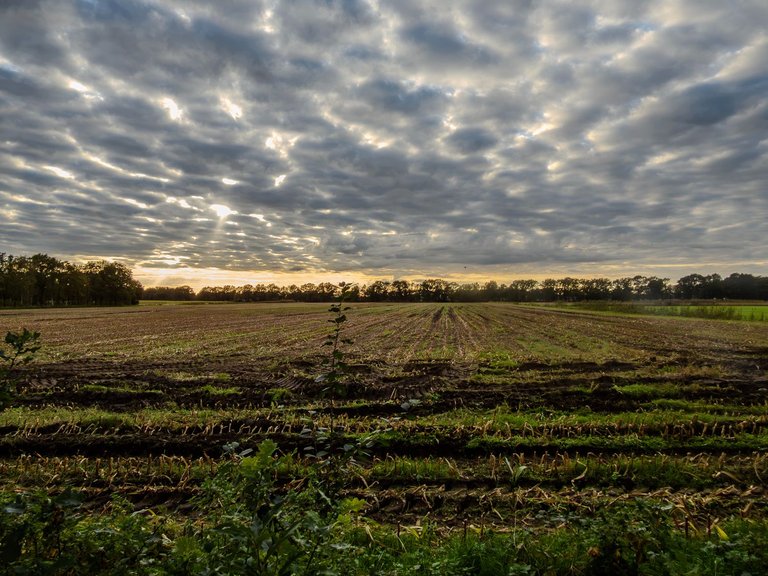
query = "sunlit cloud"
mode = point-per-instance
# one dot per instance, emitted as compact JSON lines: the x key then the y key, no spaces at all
{"x":60,"y":172}
{"x":234,"y":110}
{"x":174,"y":112}
{"x":221,"y":210}
{"x":385,"y":139}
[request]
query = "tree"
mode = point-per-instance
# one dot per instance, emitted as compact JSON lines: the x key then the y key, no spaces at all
{"x":689,"y":287}
{"x":596,"y":289}
{"x":521,"y":290}
{"x":621,"y":289}
{"x":401,"y":291}
{"x":658,"y":288}
{"x":549,"y":290}
{"x":377,"y":291}
{"x":111,"y":284}
{"x":436,"y":290}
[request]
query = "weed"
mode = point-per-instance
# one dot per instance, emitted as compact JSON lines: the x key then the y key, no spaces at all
{"x":23,"y":346}
{"x":278,"y":396}
{"x":336,"y":367}
{"x":650,"y":390}
{"x":212,"y":390}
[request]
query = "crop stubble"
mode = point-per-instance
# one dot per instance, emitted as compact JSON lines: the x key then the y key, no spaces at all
{"x":480,"y":398}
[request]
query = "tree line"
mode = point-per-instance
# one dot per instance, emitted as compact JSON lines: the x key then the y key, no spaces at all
{"x":43,"y":280}
{"x":691,"y":287}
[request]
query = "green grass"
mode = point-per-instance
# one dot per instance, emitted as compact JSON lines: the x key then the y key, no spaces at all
{"x":715,"y":312}
{"x":414,"y":469}
{"x":180,"y":376}
{"x":664,"y":390}
{"x":738,"y":312}
{"x":173,"y":418}
{"x":215,"y":391}
{"x":636,"y":444}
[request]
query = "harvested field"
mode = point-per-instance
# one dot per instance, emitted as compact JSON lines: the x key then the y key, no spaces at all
{"x":477,"y":412}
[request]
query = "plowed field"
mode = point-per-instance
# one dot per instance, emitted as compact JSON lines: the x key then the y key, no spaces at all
{"x":482,"y":413}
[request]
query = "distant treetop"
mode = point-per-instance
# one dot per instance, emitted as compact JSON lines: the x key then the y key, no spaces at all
{"x":692,"y":287}
{"x":42,"y":280}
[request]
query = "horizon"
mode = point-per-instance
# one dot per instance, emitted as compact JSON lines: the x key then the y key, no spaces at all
{"x":245,"y":280}
{"x":275,"y":141}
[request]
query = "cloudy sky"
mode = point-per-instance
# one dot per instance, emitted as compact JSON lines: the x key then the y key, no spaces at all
{"x":264,"y":140}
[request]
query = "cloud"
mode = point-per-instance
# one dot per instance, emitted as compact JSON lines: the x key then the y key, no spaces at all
{"x":406,"y":137}
{"x":469,"y":140}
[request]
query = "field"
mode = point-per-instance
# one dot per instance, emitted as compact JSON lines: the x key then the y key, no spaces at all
{"x":714,"y":311}
{"x":758,"y":313}
{"x":481,"y":417}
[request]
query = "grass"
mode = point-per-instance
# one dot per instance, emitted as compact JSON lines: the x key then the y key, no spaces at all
{"x":722,"y":311}
{"x":180,"y":376}
{"x":172,"y":418}
{"x":657,"y":390}
{"x":216,"y":391}
{"x":413,"y":469}
{"x":716,"y":312}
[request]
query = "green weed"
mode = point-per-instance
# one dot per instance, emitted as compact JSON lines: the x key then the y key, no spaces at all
{"x":22,"y":348}
{"x":212,"y":390}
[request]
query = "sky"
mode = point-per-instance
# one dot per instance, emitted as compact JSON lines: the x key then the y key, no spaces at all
{"x":207,"y":143}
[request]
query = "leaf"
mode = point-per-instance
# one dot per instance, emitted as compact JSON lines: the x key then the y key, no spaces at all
{"x":265,"y":451}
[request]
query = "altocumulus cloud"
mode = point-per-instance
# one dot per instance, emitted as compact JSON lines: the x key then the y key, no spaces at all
{"x":407,"y":137}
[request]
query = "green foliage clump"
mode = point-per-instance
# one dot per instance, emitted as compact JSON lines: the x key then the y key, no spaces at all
{"x":252,"y":519}
{"x":23,"y":346}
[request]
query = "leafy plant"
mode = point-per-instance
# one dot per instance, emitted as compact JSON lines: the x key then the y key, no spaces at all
{"x":36,"y":522}
{"x":335,"y":362}
{"x":23,"y":346}
{"x":259,"y":527}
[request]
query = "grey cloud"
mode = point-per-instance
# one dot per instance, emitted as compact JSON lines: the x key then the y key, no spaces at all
{"x":320,"y":21}
{"x":363,"y":53}
{"x":393,"y":96}
{"x":704,"y":105}
{"x":444,"y":44}
{"x":400,"y":136}
{"x":712,"y":102}
{"x":470,"y":140}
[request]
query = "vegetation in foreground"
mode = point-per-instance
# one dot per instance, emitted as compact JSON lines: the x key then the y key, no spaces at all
{"x":471,"y":439}
{"x":245,"y":521}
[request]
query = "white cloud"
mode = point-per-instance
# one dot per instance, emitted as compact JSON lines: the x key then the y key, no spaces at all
{"x":174,"y":112}
{"x":221,"y":210}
